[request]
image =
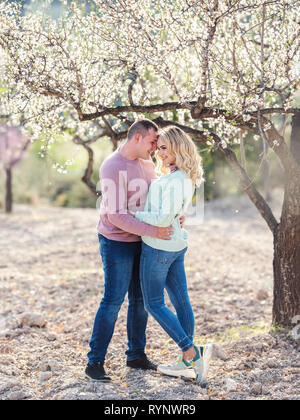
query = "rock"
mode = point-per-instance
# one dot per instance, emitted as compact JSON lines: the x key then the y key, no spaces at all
{"x":231,"y":385}
{"x":43,"y":367}
{"x":76,"y":396}
{"x":50,"y":365}
{"x":256,"y":388}
{"x":51,"y":337}
{"x":16,"y":395}
{"x":32,"y":319}
{"x":265,"y":390}
{"x":7,"y":326}
{"x":248,"y":364}
{"x":272,"y":363}
{"x":54,"y":365}
{"x":5,"y":333}
{"x":219,"y":353}
{"x":262,"y":294}
{"x":5,"y":349}
{"x":242,"y":366}
{"x":44,"y":376}
{"x":67,"y":329}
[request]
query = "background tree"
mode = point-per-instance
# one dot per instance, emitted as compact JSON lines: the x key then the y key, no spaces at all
{"x":13,"y":144}
{"x":228,"y":69}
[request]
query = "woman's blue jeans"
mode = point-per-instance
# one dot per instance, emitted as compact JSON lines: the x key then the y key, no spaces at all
{"x":161,"y":270}
{"x":121,"y":262}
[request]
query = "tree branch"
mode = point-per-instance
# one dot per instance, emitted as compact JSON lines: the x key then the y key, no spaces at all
{"x":199,"y":136}
{"x":247,"y":185}
{"x":134,"y":75}
{"x":114,"y":137}
{"x":89,"y":169}
{"x":142,"y":109}
{"x":170,"y":106}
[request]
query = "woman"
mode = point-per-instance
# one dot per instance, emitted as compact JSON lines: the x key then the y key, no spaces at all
{"x":162,"y":261}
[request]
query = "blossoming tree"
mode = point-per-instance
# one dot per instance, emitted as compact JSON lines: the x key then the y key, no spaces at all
{"x":229,"y":65}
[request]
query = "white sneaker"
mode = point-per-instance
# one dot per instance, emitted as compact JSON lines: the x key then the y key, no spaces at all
{"x":180,"y":368}
{"x":201,"y":362}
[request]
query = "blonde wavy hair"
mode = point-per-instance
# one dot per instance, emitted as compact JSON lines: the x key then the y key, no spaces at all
{"x":181,"y":146}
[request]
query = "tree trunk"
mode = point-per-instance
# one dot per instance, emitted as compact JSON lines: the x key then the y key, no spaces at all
{"x":8,"y":197}
{"x":286,"y":262}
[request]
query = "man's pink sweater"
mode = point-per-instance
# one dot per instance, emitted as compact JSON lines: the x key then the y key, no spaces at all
{"x":124,"y":184}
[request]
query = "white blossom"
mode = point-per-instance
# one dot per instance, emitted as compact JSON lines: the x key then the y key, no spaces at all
{"x":57,"y":71}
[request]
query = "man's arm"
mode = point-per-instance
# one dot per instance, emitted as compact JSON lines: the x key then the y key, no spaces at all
{"x":128,"y":223}
{"x":114,"y":198}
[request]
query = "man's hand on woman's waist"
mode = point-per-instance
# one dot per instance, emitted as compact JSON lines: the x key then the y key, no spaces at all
{"x":164,"y":232}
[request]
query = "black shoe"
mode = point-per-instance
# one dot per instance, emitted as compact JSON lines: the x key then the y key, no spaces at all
{"x":97,"y":372}
{"x":142,"y":363}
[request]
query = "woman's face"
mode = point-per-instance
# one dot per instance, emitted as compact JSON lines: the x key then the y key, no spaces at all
{"x":164,"y":154}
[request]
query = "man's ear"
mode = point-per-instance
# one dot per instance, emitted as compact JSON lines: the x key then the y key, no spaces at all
{"x":137,"y":138}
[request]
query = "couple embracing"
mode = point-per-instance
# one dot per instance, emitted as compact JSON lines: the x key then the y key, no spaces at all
{"x":143,"y":244}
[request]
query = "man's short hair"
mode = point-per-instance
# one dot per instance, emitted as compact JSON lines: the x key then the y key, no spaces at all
{"x":141,"y":127}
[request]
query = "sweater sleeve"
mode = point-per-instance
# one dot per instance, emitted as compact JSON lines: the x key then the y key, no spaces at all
{"x":114,"y":204}
{"x":170,"y":205}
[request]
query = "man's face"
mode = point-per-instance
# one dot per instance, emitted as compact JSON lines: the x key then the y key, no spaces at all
{"x":147,"y":144}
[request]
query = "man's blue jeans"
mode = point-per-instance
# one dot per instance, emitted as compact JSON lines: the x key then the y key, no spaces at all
{"x":161,"y":270}
{"x":121,"y":274}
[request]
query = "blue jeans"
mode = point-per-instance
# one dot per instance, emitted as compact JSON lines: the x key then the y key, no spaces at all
{"x":121,"y":275}
{"x":161,"y":270}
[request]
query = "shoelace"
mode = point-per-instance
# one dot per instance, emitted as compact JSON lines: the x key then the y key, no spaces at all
{"x":175,"y":363}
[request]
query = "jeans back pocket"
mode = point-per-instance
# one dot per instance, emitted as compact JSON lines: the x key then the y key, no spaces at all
{"x":164,"y":257}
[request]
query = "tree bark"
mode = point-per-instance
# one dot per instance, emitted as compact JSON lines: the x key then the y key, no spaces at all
{"x":295,"y":137}
{"x":286,"y":262}
{"x":8,"y":196}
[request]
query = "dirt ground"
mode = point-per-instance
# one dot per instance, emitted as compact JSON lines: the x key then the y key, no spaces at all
{"x":51,"y":283}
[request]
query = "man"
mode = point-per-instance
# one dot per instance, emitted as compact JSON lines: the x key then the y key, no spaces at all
{"x":125,"y":179}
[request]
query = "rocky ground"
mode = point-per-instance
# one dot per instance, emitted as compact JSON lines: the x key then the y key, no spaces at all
{"x":51,"y":282}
